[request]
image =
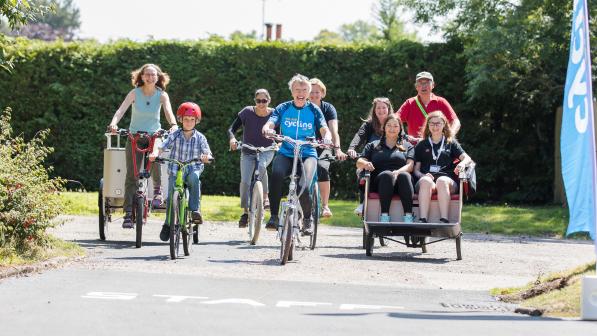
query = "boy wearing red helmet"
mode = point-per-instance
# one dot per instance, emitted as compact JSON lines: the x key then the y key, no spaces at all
{"x":186,"y":144}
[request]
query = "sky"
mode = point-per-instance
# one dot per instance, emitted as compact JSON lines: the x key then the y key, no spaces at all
{"x":141,"y":20}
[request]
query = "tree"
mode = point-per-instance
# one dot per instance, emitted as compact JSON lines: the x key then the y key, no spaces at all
{"x":240,"y":36}
{"x":62,"y":21}
{"x":516,"y":54}
{"x":391,"y":28}
{"x":359,"y":31}
{"x":16,"y":13}
{"x":327,"y":36}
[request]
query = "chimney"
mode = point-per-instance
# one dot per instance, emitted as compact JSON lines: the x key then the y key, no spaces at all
{"x":268,"y":31}
{"x":278,"y":31}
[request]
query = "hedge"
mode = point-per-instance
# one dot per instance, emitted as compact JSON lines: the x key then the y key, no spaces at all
{"x":75,"y":88}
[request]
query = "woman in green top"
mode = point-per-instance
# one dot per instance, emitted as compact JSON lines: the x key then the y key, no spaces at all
{"x":146,"y":101}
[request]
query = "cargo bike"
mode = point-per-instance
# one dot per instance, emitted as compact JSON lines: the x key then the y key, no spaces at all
{"x":416,"y":235}
{"x":112,"y":184}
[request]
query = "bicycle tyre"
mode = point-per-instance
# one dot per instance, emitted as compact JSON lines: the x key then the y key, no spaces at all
{"x":139,"y":210}
{"x":187,"y":234}
{"x":286,"y":236}
{"x":256,"y":212}
{"x":195,"y":234}
{"x":174,"y":226}
{"x":102,"y":215}
{"x":315,"y":213}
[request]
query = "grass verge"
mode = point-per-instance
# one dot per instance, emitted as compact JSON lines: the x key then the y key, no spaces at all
{"x":557,"y":295}
{"x":55,"y":248}
{"x":550,"y":220}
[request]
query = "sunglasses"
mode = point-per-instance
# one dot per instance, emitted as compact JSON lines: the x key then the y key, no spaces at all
{"x":261,"y":101}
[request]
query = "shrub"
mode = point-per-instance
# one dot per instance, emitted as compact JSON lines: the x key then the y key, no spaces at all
{"x":28,"y":196}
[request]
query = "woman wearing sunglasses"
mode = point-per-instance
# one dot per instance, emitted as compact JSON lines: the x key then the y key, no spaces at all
{"x":252,"y":119}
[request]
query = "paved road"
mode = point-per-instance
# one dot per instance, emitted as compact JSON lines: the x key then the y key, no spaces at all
{"x":227,"y":287}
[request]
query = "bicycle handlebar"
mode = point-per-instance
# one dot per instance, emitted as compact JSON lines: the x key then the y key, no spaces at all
{"x":310,"y":142}
{"x":273,"y":147}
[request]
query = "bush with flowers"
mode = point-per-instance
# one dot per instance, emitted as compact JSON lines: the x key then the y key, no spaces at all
{"x":28,"y":195}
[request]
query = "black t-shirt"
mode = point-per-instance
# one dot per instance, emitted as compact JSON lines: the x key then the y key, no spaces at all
{"x":386,"y":158}
{"x":445,"y":160}
{"x":329,"y":113}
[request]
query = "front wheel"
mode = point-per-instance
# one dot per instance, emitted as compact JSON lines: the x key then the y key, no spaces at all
{"x":187,"y":234}
{"x":286,"y":236}
{"x":139,"y":213}
{"x":315,"y":213}
{"x":256,"y":212}
{"x":175,"y":226}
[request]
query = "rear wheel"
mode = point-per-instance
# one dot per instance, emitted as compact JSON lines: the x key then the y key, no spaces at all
{"x":315,"y":213}
{"x":187,"y":234}
{"x":139,"y":213}
{"x":256,"y":212}
{"x":175,"y":226}
{"x":286,"y":236}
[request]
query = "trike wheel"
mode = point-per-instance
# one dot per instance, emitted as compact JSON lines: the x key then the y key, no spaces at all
{"x":369,"y":245}
{"x":103,"y":219}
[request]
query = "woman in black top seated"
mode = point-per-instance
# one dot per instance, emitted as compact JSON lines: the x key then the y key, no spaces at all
{"x":434,"y":165}
{"x":390,"y":159}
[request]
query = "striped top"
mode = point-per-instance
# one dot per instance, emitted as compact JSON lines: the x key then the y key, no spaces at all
{"x":183,"y":149}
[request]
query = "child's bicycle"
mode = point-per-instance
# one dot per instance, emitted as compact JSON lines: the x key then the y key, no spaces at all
{"x":290,"y":211}
{"x":178,"y":215}
{"x":256,"y":210}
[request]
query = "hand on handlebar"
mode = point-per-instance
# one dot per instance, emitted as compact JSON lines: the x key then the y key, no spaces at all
{"x":268,"y":132}
{"x":341,"y":155}
{"x":152,"y":156}
{"x":352,"y":153}
{"x":369,"y":166}
{"x":205,"y":158}
{"x":112,"y":129}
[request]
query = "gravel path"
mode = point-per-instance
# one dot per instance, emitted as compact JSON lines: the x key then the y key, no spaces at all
{"x":488,"y":261}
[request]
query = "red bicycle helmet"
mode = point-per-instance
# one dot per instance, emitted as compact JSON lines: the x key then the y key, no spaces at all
{"x":189,"y":109}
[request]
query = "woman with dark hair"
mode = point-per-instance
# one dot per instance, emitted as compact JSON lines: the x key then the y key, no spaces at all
{"x":252,"y":119}
{"x":146,"y":101}
{"x":370,"y":130}
{"x":390,"y":161}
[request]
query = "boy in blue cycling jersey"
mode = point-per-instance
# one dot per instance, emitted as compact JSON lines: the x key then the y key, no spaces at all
{"x":298,"y":119}
{"x":186,"y":144}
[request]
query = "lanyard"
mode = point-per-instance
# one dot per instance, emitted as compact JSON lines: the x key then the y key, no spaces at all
{"x":421,"y":107}
{"x":439,"y":152}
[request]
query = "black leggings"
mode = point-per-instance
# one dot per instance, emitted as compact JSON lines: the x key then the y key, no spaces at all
{"x":281,"y":168}
{"x":387,"y":184}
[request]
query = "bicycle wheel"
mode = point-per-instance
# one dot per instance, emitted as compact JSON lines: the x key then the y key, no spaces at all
{"x":315,"y":213}
{"x":256,"y":212}
{"x":175,"y":226}
{"x":286,"y":235}
{"x":187,"y":234}
{"x":102,"y":215}
{"x":139,"y":212}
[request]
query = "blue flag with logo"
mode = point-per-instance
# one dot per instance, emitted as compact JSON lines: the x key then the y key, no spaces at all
{"x":578,"y":138}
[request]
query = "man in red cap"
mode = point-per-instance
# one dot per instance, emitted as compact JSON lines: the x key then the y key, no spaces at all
{"x":414,"y":111}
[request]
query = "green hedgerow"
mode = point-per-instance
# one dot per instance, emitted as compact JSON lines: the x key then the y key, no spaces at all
{"x":28,"y":196}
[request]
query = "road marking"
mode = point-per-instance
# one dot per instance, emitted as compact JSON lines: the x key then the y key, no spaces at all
{"x":236,"y":301}
{"x":180,"y":298}
{"x":110,"y":296}
{"x":349,"y":306}
{"x":287,"y":304}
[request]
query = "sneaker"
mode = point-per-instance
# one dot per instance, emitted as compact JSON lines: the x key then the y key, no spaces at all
{"x":359,"y":210}
{"x":127,"y":223}
{"x":243,"y":221}
{"x":443,"y":220}
{"x":266,"y":204}
{"x":165,"y":233}
{"x":196,"y":217}
{"x":408,"y":218}
{"x":326,"y":212}
{"x":384,"y":218}
{"x":307,"y":227}
{"x":158,"y":201}
{"x":272,"y":224}
{"x":422,"y":220}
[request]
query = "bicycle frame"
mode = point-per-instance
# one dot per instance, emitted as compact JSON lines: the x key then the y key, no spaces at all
{"x":256,"y":176}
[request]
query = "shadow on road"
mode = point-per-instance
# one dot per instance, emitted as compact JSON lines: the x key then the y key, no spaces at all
{"x":391,"y":256}
{"x":268,"y":262}
{"x":449,"y":316}
{"x":113,"y":244}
